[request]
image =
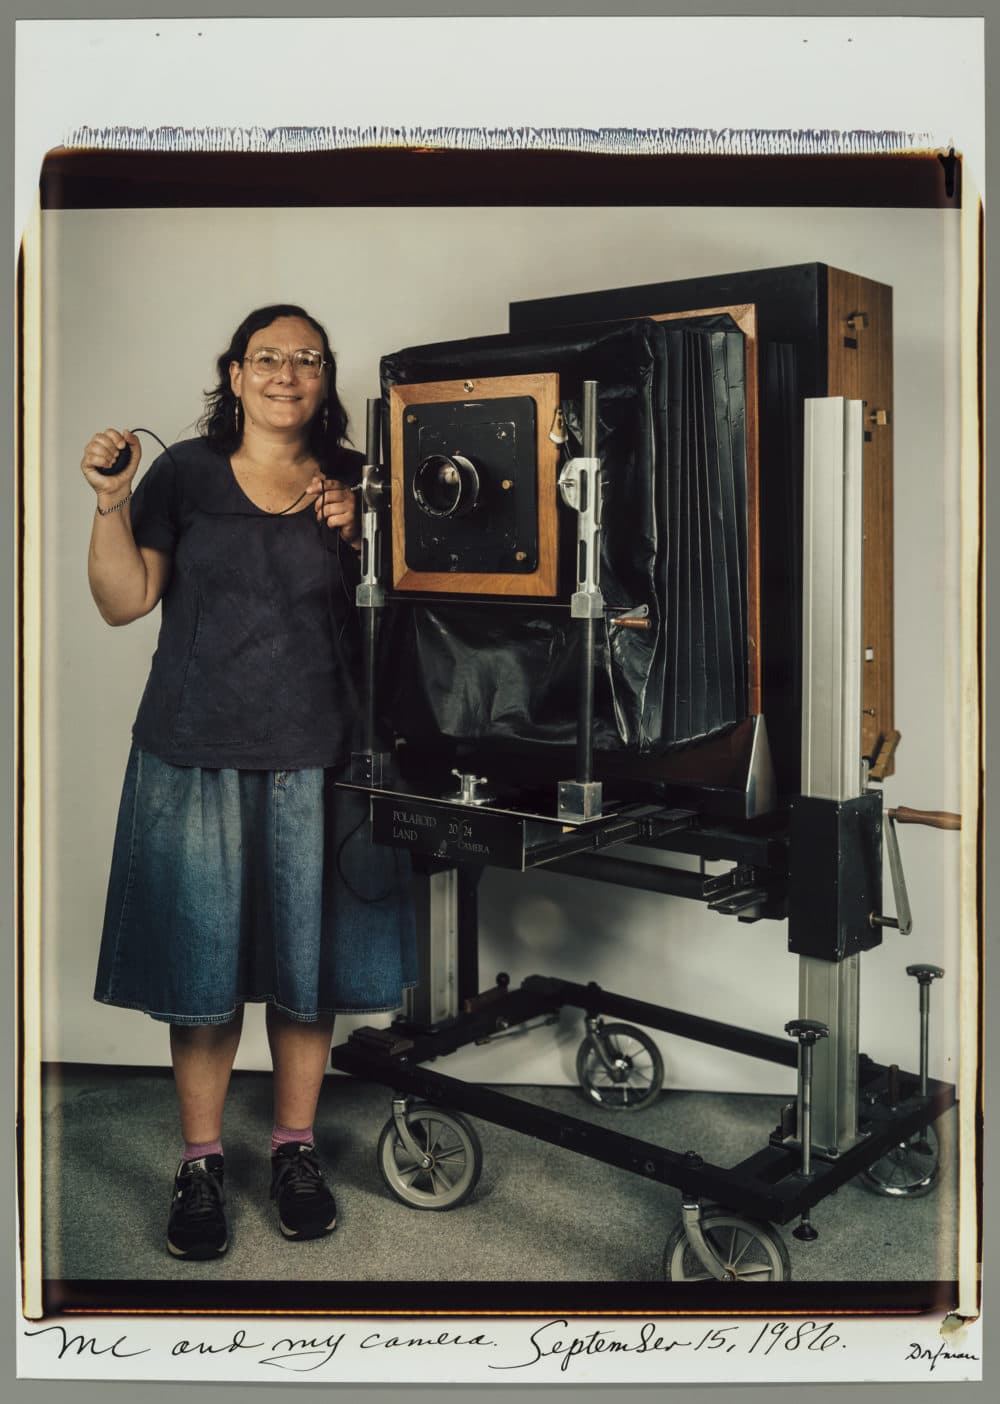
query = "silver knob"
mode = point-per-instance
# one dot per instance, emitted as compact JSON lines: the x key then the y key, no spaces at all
{"x":469,"y":792}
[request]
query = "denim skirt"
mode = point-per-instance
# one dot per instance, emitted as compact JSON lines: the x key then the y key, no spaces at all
{"x":231,"y":887}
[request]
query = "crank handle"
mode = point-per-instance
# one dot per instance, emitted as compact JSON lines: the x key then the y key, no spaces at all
{"x":903,"y":920}
{"x":933,"y":818}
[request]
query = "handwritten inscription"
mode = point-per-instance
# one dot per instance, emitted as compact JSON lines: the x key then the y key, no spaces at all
{"x":544,"y":1343}
{"x":554,"y":1341}
{"x":86,"y":1345}
{"x":305,"y":1354}
{"x":238,"y":1342}
{"x":309,"y":1353}
{"x":443,"y":1338}
{"x":807,"y":1335}
{"x":919,"y":1352}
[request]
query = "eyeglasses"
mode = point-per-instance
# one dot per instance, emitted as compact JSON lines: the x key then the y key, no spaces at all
{"x":267,"y":360}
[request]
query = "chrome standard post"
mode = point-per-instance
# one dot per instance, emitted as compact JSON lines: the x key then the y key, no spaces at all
{"x":580,"y":486}
{"x":924,"y":975}
{"x":831,"y":727}
{"x":434,"y":999}
{"x":808,"y":1032}
{"x":368,"y":766}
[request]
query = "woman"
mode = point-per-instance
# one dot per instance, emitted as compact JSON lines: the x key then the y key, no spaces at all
{"x":228,"y":881}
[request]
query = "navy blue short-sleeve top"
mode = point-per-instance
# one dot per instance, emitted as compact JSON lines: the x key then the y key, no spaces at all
{"x":251,"y":668}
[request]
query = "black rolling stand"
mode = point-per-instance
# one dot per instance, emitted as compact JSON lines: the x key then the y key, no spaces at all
{"x":818,"y":863}
{"x":430,"y":1156}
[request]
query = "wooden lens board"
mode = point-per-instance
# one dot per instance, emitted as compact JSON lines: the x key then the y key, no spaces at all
{"x":544,"y":391}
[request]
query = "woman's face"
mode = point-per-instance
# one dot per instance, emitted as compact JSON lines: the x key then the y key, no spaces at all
{"x":284,"y":399}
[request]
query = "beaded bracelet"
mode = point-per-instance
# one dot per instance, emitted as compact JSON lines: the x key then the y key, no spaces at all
{"x":106,"y":511}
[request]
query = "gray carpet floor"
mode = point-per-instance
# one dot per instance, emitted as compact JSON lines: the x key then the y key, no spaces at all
{"x":539,"y":1213}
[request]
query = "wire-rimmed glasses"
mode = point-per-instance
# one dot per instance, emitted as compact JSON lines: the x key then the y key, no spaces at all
{"x":268,"y":360}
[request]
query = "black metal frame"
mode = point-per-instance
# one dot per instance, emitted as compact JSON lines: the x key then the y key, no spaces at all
{"x":768,"y":1184}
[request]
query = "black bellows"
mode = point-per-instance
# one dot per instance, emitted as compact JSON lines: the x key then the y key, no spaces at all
{"x":674,"y":538}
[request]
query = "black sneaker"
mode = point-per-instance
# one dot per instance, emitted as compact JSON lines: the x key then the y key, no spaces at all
{"x":306,"y":1208}
{"x":197,"y":1225}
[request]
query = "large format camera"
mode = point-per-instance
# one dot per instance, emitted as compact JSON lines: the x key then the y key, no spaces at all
{"x":644,"y":587}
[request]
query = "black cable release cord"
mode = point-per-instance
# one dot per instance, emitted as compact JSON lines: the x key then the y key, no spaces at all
{"x":337,"y":635}
{"x":124,"y":455}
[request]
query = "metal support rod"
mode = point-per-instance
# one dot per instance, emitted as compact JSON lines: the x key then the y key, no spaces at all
{"x":373,"y":428}
{"x":829,"y":992}
{"x":435,"y":908}
{"x":831,"y":722}
{"x":580,"y":487}
{"x":467,"y":914}
{"x":832,"y":564}
{"x":585,"y":715}
{"x":590,"y":418}
{"x":806,"y":1078}
{"x":368,"y":765}
{"x":808,"y":1032}
{"x":369,"y":624}
{"x":925,"y":976}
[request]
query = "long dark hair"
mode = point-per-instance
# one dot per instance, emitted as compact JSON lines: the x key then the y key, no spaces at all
{"x":218,"y":423}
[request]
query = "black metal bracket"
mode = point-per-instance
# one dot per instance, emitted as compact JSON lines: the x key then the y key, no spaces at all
{"x":743,"y":892}
{"x":452,"y":834}
{"x":457,"y":834}
{"x":835,"y":881}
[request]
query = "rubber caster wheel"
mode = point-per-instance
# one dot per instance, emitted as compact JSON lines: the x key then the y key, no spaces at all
{"x":907,"y":1170}
{"x":747,"y":1250}
{"x":636,"y":1073}
{"x":448,"y":1168}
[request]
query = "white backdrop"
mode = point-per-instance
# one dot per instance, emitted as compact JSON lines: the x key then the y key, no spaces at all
{"x":137,"y":304}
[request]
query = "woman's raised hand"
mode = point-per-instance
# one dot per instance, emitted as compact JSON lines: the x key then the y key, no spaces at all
{"x":101,"y":452}
{"x":336,"y":506}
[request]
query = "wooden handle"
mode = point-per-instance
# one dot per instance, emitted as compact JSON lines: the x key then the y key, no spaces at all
{"x":933,"y":818}
{"x":883,"y":757}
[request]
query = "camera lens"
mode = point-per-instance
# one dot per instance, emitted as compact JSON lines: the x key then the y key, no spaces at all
{"x":446,"y":485}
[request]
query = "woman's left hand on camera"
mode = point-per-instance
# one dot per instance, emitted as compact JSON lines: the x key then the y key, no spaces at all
{"x":336,"y":506}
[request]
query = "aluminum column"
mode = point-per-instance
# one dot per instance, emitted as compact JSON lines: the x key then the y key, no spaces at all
{"x":831,"y":725}
{"x":435,"y":900}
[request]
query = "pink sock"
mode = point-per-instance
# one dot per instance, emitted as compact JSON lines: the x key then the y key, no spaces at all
{"x":284,"y":1135}
{"x":194,"y":1150}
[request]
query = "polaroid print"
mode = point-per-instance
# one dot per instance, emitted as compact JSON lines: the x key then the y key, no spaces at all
{"x":661,"y":668}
